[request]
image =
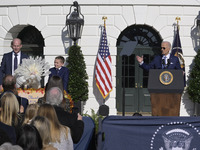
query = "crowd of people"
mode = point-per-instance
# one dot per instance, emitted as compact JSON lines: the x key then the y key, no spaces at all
{"x":45,"y":125}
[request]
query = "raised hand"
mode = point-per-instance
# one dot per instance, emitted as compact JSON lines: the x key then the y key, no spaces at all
{"x":139,"y":59}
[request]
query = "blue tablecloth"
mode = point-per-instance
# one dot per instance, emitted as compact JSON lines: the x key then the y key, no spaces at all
{"x":149,"y":133}
{"x":86,"y":138}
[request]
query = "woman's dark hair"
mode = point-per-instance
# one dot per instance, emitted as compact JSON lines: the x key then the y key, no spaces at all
{"x":29,"y":138}
{"x":55,"y":81}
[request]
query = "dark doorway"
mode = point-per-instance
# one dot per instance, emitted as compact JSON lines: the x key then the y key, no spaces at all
{"x":137,"y":97}
{"x":32,"y":41}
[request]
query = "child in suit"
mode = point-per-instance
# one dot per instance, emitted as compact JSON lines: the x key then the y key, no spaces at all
{"x":60,"y":71}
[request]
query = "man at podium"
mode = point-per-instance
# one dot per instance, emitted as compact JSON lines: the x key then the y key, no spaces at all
{"x":164,"y":61}
{"x":165,"y":98}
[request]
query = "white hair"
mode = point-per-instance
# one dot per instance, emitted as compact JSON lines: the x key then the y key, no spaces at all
{"x":9,"y":146}
{"x":54,"y":96}
{"x":169,"y":44}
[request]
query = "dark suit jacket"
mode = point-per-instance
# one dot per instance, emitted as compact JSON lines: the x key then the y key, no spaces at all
{"x":6,"y":64}
{"x":70,"y":120}
{"x":157,"y":63}
{"x":63,"y":73}
{"x":22,"y":101}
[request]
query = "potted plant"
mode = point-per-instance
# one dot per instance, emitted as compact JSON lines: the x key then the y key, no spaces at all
{"x":193,"y":88}
{"x":78,"y":84}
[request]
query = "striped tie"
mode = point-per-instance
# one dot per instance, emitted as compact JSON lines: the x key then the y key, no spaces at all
{"x":165,"y":62}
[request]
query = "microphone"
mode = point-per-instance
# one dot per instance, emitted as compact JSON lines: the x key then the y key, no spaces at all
{"x":168,"y":62}
{"x":163,"y":63}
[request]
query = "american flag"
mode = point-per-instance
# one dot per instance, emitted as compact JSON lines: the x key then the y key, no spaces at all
{"x":103,"y":74}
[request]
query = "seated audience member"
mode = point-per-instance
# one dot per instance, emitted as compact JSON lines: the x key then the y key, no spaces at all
{"x":60,"y":70}
{"x":30,"y":113}
{"x":74,"y":121}
{"x":9,"y":146}
{"x":60,"y":135}
{"x":9,"y":112}
{"x":54,"y":81}
{"x":29,"y":138}
{"x":43,"y":126}
{"x":9,"y":85}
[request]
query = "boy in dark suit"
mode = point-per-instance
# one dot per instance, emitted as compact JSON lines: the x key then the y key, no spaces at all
{"x":60,"y":71}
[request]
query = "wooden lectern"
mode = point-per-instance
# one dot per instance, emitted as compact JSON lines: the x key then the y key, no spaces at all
{"x":165,"y":88}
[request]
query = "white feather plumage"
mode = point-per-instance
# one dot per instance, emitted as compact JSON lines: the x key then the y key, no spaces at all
{"x":31,"y":70}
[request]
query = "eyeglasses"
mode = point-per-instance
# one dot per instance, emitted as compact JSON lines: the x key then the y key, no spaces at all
{"x":163,"y":48}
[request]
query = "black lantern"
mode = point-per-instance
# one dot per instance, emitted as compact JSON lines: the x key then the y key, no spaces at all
{"x":75,"y":22}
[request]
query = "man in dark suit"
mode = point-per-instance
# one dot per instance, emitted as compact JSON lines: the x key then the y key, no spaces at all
{"x":11,"y":60}
{"x":168,"y":106}
{"x":74,"y":121}
{"x":60,"y":70}
{"x":9,"y":85}
{"x":164,"y":61}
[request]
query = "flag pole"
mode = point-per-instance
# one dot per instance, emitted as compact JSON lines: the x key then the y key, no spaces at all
{"x":177,"y":19}
{"x":104,"y":19}
{"x":104,"y":109}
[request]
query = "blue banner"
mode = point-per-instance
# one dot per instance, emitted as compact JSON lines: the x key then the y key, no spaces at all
{"x":150,"y":133}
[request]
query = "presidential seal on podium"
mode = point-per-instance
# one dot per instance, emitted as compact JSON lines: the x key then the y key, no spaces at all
{"x":166,"y":77}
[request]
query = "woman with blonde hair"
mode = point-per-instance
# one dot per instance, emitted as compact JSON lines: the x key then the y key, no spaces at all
{"x":30,"y":113}
{"x":43,"y":126}
{"x":60,"y":135}
{"x":9,"y":109}
{"x":10,"y":114}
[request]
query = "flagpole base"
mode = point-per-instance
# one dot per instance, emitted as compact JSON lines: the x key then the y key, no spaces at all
{"x":103,"y":110}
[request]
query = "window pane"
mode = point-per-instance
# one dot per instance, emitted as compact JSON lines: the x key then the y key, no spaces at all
{"x":132,"y":82}
{"x":145,"y":82}
{"x":146,"y":58}
{"x":132,"y":59}
{"x":126,"y":82}
{"x":126,"y":70}
{"x":131,"y":71}
{"x":145,"y":73}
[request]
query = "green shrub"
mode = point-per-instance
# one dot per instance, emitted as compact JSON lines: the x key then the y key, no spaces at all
{"x":78,"y":84}
{"x":194,"y":80}
{"x":95,"y":117}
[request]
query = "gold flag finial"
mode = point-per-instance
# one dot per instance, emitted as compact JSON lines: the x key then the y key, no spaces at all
{"x":104,"y":18}
{"x":178,"y":19}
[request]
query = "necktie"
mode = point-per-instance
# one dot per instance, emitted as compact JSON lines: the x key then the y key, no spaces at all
{"x":15,"y":61}
{"x":165,"y":61}
{"x":57,"y":70}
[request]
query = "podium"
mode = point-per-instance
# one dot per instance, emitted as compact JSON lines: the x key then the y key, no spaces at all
{"x":165,"y":88}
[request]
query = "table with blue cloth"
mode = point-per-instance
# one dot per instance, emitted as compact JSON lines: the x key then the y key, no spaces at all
{"x":88,"y":134}
{"x":149,"y":133}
